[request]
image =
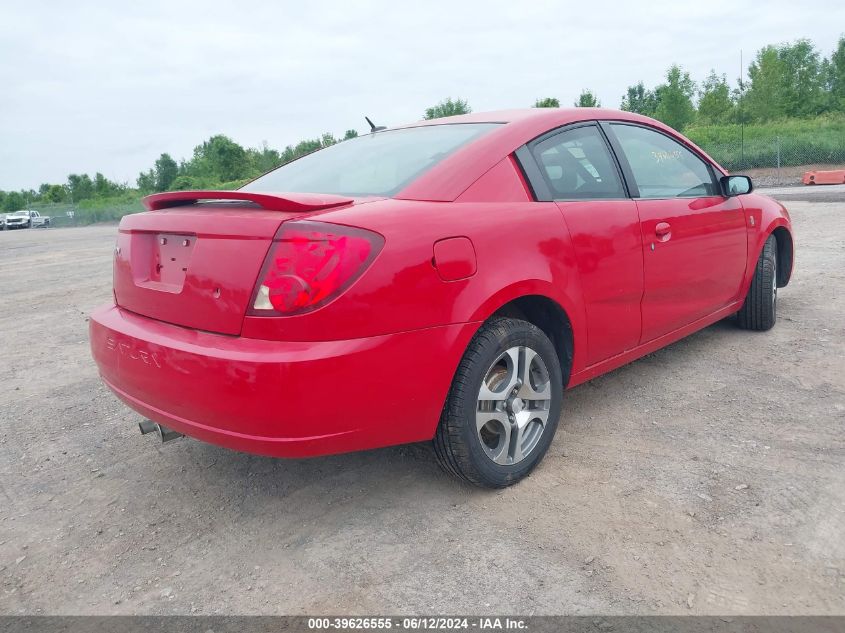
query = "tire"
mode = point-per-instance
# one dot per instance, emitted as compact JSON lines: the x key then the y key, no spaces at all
{"x":490,"y":384}
{"x":759,"y":311}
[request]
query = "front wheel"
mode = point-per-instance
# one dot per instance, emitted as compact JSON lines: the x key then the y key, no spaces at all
{"x":759,"y":311}
{"x":503,"y":407}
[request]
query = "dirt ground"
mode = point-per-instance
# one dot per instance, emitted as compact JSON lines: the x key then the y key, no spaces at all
{"x":706,"y":478}
{"x":785,"y":176}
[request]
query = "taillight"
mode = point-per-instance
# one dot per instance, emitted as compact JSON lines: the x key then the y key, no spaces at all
{"x":309,"y":264}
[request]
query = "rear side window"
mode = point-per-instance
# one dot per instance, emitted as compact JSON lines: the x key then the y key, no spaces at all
{"x":380,"y":164}
{"x":662,"y":167}
{"x":577,"y":165}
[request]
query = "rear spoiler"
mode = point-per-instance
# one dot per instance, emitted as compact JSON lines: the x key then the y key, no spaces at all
{"x":267,"y":201}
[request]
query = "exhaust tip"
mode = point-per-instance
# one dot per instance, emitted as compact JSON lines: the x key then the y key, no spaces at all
{"x":165,"y":434}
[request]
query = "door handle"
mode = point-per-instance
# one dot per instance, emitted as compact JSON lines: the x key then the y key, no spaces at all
{"x":663,"y":231}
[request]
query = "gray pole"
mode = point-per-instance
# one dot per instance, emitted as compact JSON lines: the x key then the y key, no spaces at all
{"x":741,"y":119}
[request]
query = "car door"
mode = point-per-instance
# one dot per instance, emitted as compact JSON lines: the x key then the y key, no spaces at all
{"x":694,"y":238}
{"x":574,"y":167}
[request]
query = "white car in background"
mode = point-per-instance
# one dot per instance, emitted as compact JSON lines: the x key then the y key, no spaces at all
{"x":24,"y":219}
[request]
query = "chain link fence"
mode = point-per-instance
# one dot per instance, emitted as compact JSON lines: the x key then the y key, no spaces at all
{"x":69,"y":214}
{"x":779,"y":161}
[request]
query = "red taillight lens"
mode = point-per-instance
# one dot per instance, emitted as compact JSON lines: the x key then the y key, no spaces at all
{"x":309,"y":264}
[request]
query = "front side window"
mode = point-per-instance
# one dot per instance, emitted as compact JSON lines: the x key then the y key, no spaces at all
{"x":380,"y":164}
{"x":662,"y":167}
{"x":577,"y":165}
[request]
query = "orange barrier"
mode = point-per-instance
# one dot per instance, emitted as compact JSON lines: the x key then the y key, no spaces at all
{"x":833,"y":177}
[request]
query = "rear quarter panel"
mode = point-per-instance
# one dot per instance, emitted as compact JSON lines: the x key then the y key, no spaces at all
{"x":522,"y":248}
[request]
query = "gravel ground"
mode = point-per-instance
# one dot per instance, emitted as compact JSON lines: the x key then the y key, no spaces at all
{"x":785,"y":176}
{"x":810,"y":193}
{"x":706,"y":478}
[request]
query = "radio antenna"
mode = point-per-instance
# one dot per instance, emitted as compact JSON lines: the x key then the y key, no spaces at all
{"x":373,"y":126}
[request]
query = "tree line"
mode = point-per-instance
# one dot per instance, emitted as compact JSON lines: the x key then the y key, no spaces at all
{"x":786,"y":81}
{"x":790,"y":80}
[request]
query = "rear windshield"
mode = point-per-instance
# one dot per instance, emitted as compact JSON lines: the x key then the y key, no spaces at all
{"x":379,"y":164}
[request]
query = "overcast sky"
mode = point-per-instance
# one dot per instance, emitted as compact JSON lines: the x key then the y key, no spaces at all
{"x":108,"y":86}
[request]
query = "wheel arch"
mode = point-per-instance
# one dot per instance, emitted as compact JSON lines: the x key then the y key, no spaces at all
{"x":553,"y":311}
{"x":786,"y":254}
{"x":551,"y":318}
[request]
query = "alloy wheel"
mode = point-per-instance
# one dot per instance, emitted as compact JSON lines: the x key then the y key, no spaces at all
{"x":513,"y":405}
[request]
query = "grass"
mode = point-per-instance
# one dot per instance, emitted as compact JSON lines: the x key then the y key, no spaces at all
{"x":789,"y":142}
{"x":91,"y":211}
{"x":111,"y":209}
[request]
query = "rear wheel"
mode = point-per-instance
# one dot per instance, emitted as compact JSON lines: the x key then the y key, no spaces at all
{"x":503,"y":407}
{"x":759,"y":311}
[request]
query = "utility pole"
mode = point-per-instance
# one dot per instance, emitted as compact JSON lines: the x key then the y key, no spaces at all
{"x":739,"y":110}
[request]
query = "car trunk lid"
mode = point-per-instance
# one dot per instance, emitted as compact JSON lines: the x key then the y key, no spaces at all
{"x":193,"y":258}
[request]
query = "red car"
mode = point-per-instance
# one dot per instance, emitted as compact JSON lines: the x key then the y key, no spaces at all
{"x":446,"y":279}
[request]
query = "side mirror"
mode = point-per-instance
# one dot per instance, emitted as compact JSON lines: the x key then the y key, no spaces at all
{"x":736,"y":185}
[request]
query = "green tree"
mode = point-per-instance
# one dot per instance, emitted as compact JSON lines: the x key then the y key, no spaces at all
{"x":185,"y":183}
{"x":587,"y":100}
{"x":264,"y":159}
{"x":292,"y":152}
{"x":547,"y":102}
{"x":166,"y":171}
{"x":146,"y":181}
{"x":764,"y":100}
{"x":787,"y":81}
{"x":638,"y":99}
{"x":446,"y":108}
{"x":14,"y":201}
{"x":802,"y":79}
{"x":55,"y":193}
{"x":80,"y":186}
{"x":219,"y":159}
{"x":836,"y":77}
{"x":674,"y":99}
{"x":349,"y":134}
{"x":715,"y":104}
{"x":102,"y":186}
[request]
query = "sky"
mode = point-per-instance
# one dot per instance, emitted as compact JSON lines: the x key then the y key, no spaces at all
{"x":109,"y":86}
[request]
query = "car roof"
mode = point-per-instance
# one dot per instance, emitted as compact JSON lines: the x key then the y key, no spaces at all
{"x":453,"y":175}
{"x":554,"y":115}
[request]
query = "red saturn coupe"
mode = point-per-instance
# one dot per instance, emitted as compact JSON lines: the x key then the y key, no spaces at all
{"x":444,"y":280}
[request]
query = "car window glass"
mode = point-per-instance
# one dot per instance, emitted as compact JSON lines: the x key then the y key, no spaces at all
{"x":577,"y":165}
{"x":375,"y":164}
{"x":662,"y":167}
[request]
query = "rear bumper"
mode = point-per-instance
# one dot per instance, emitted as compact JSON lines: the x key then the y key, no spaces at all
{"x":286,"y":399}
